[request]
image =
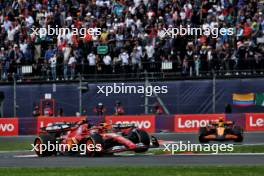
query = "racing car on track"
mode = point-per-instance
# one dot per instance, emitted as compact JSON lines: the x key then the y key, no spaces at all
{"x":98,"y":140}
{"x":220,"y":131}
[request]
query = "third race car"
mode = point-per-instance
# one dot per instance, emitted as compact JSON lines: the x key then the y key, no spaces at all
{"x":221,"y":130}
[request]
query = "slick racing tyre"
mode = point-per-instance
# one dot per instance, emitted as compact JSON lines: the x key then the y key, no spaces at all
{"x":94,"y":145}
{"x":155,"y":141}
{"x":202,"y":134}
{"x":139,"y":136}
{"x":42,"y":143}
{"x":238,"y":131}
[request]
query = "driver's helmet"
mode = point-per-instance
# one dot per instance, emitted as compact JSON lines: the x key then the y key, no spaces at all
{"x":221,"y":119}
{"x":106,"y":126}
{"x":210,"y":124}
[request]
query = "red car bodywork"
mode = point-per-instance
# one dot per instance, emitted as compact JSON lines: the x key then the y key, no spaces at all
{"x":113,"y":138}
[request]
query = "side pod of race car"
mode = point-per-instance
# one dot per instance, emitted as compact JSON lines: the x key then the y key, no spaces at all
{"x":98,"y":140}
{"x":221,"y":131}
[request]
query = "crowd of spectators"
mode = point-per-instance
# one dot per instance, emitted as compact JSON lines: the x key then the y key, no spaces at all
{"x":129,"y":30}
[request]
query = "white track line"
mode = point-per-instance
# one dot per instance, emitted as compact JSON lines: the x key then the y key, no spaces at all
{"x":25,"y":156}
{"x":244,"y":144}
{"x":14,"y":151}
{"x":221,"y":154}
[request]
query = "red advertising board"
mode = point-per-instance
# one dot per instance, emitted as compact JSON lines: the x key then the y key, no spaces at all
{"x":255,"y":122}
{"x":146,"y":122}
{"x":192,"y":122}
{"x":45,"y":121}
{"x":8,"y":126}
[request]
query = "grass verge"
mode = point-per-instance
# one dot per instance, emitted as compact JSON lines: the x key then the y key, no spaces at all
{"x":142,"y":171}
{"x":15,"y":145}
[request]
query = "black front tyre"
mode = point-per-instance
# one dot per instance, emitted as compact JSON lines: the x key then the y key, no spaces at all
{"x":155,"y":141}
{"x":202,"y":134}
{"x":140,"y":136}
{"x":94,"y":145}
{"x":238,"y":131}
{"x":45,"y":140}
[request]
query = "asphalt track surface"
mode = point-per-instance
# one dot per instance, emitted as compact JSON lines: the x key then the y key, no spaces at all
{"x":28,"y":159}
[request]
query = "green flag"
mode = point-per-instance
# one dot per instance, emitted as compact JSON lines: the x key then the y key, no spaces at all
{"x":260,"y":99}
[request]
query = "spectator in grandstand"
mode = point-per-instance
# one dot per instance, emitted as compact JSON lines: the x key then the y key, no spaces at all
{"x":72,"y":65}
{"x":157,"y":109}
{"x":17,"y":59}
{"x":92,"y":63}
{"x":49,"y":53}
{"x":119,"y":109}
{"x":99,"y":109}
{"x":125,"y":60}
{"x":3,"y":64}
{"x":126,"y":25}
{"x":136,"y":60}
{"x":197,"y":65}
{"x":53,"y":64}
{"x":60,"y":113}
{"x":84,"y":112}
{"x":107,"y":67}
{"x":48,"y":110}
{"x":36,"y":111}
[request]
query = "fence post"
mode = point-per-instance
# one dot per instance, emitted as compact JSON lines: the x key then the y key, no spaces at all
{"x":146,"y":105}
{"x":80,"y":94}
{"x":15,"y":98}
{"x":214,"y":90}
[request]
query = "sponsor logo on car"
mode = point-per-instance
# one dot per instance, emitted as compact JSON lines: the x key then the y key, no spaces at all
{"x":47,"y":121}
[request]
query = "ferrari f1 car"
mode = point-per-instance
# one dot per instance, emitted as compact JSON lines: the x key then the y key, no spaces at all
{"x":220,"y":131}
{"x":98,"y":140}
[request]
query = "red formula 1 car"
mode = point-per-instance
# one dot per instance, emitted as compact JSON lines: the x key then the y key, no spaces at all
{"x":221,"y":131}
{"x":83,"y":138}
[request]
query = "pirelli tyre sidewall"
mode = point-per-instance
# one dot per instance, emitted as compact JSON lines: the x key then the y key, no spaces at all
{"x":139,"y":136}
{"x":202,"y":133}
{"x":94,"y":139}
{"x":45,"y":139}
{"x":238,"y":131}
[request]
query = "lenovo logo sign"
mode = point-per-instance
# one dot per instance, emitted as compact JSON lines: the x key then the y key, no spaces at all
{"x":255,"y":122}
{"x":8,"y":126}
{"x":192,"y":123}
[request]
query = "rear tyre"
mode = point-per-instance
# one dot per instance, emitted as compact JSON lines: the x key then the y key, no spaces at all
{"x":238,"y":131}
{"x":202,"y":134}
{"x":140,"y":136}
{"x":45,"y":140}
{"x":155,"y":141}
{"x":94,"y":145}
